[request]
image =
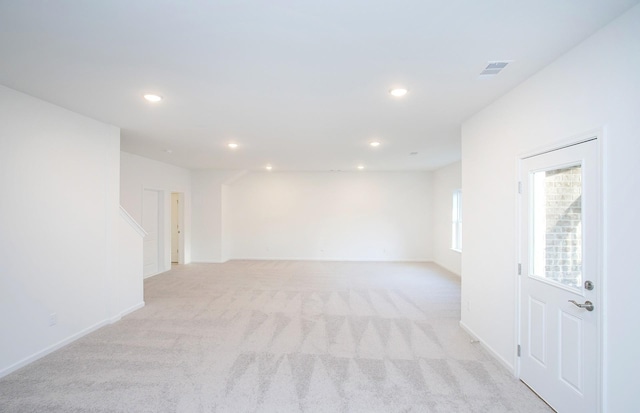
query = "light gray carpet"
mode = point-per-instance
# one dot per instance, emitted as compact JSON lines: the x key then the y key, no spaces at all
{"x":279,"y":336}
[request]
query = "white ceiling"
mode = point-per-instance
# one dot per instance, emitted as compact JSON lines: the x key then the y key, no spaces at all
{"x":302,"y":85}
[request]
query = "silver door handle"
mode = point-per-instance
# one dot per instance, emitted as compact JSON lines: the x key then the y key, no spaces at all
{"x":588,"y":305}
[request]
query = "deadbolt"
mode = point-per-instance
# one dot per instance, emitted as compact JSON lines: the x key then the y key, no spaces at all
{"x":588,"y":285}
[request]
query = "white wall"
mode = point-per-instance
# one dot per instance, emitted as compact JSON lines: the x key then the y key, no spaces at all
{"x":445,"y":181}
{"x":58,"y":236}
{"x":138,"y":173}
{"x":596,"y":85}
{"x":331,"y":216}
{"x":129,"y":276}
{"x":208,"y":212}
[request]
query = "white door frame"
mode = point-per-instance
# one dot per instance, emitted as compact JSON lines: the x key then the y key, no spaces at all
{"x":598,"y":135}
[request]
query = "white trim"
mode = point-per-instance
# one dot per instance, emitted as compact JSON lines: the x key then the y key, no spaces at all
{"x":445,"y":268}
{"x":589,"y":135}
{"x":516,"y":266}
{"x":491,"y":351}
{"x":317,"y":259}
{"x":601,"y":247}
{"x":154,"y":274}
{"x":132,"y":222}
{"x":123,"y":313}
{"x":52,"y":348}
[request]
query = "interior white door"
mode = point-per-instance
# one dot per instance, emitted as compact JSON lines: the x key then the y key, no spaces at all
{"x":151,"y":224}
{"x":175,"y":227}
{"x":559,"y":309}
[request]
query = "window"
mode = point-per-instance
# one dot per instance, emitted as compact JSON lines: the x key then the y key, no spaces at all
{"x":557,"y":225}
{"x":456,"y":221}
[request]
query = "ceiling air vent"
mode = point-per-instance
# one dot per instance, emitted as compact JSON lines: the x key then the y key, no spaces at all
{"x":493,"y":68}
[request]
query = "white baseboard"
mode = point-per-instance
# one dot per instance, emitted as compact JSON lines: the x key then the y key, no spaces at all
{"x":491,"y":351}
{"x":123,"y":313}
{"x":68,"y":340}
{"x":446,"y":268}
{"x":328,"y":259}
{"x":132,"y":309}
{"x":52,"y":348}
{"x":153,"y":275}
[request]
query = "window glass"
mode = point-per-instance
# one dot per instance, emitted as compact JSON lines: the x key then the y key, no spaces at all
{"x":557,"y":225}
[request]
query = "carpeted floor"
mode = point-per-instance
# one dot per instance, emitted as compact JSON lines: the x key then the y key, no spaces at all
{"x":279,"y":336}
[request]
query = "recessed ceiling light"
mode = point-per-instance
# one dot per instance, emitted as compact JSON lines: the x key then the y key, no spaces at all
{"x":361,"y":167}
{"x":374,"y":143}
{"x":398,"y":92}
{"x":232,"y":145}
{"x":153,"y":98}
{"x":168,"y":151}
{"x":269,"y":167}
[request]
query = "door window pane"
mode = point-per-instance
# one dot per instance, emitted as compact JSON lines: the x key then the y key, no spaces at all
{"x":557,"y":225}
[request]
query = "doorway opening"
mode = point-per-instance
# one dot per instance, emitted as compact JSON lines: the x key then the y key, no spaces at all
{"x":177,"y":228}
